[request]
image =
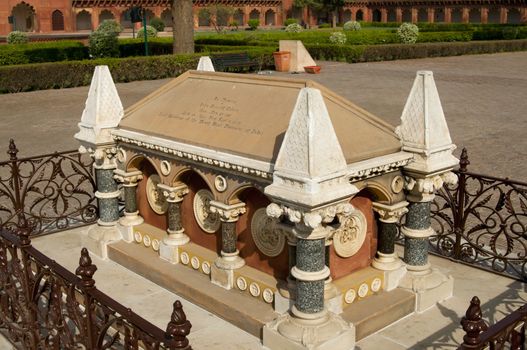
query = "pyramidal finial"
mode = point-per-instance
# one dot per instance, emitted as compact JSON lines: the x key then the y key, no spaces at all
{"x":423,"y":128}
{"x":205,"y":64}
{"x":103,"y":109}
{"x":310,"y":154}
{"x":310,"y":147}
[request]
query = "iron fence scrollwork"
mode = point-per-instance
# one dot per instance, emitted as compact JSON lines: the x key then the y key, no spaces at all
{"x":482,"y":221}
{"x":45,"y":306}
{"x":48,"y":193}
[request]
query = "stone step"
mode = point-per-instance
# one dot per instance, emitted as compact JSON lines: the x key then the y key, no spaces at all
{"x":233,"y":305}
{"x":368,"y":315}
{"x":378,"y":311}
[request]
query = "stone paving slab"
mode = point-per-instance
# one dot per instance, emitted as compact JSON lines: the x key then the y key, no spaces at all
{"x":483,"y":98}
{"x":436,"y":328}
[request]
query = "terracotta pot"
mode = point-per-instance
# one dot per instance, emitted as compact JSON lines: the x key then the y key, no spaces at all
{"x":282,"y":60}
{"x":312,"y":69}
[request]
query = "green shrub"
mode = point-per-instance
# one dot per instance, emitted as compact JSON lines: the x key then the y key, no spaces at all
{"x":369,"y":53}
{"x":40,"y":52}
{"x":110,"y":26}
{"x":290,"y":21}
{"x":444,"y":27}
{"x":151,"y":32}
{"x":78,"y":73}
{"x":234,"y":24}
{"x":510,"y":33}
{"x":324,"y":26}
{"x":158,"y":24}
{"x":430,"y":37}
{"x":352,"y":26}
{"x":294,"y":28}
{"x":253,"y":24}
{"x":103,"y":44}
{"x":17,"y":37}
{"x":407,"y":33}
{"x":338,"y":38}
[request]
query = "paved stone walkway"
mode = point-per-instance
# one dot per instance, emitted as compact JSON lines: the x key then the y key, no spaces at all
{"x":483,"y":98}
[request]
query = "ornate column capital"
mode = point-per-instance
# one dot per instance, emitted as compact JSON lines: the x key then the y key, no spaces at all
{"x":104,"y":156}
{"x":173,"y":194}
{"x":227,"y":212}
{"x":390,"y":213}
{"x":422,"y":188}
{"x":309,"y":218}
{"x":128,"y":179}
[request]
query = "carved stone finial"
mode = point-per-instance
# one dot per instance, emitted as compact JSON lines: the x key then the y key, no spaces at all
{"x":12,"y":151}
{"x":424,"y":130}
{"x":473,"y":323}
{"x":463,"y":160}
{"x":86,"y":269}
{"x":205,"y":64}
{"x":178,"y":328}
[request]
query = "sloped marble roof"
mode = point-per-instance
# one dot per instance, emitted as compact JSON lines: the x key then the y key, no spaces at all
{"x":248,"y":115}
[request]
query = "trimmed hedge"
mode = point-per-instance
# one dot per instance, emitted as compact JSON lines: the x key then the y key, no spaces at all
{"x":79,"y":73}
{"x":42,"y":52}
{"x":371,"y":53}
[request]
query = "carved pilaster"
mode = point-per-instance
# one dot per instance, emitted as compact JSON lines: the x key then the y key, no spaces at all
{"x":176,"y":233}
{"x":129,"y":181}
{"x":228,"y":215}
{"x":389,"y":215}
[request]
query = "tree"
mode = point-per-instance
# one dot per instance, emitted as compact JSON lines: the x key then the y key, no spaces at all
{"x":333,"y":6}
{"x":183,"y":26}
{"x":310,"y":5}
{"x":217,"y":15}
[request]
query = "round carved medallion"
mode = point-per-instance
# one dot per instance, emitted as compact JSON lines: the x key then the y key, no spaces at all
{"x":194,"y":262}
{"x":241,"y":283}
{"x":267,"y":238}
{"x":220,"y":183}
{"x":185,"y":258}
{"x":350,"y":296}
{"x":268,"y":295}
{"x":397,"y":184}
{"x":350,"y":236}
{"x":376,"y":285}
{"x":165,"y":167}
{"x":363,"y":290}
{"x":205,"y":267}
{"x":254,"y":289}
{"x":155,"y":196}
{"x":208,"y":221}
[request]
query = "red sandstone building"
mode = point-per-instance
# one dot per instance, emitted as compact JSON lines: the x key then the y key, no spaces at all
{"x":56,"y":16}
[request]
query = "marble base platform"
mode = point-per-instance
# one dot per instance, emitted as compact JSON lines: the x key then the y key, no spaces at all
{"x":430,"y":287}
{"x":97,"y":238}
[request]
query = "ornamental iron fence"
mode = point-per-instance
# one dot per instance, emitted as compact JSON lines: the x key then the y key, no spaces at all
{"x":509,"y":333}
{"x":45,"y":306}
{"x":47,"y":193}
{"x":482,"y":221}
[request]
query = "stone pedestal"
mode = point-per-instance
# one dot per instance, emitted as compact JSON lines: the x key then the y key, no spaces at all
{"x":309,"y":325}
{"x":223,"y":274}
{"x":168,"y":249}
{"x":131,"y":216}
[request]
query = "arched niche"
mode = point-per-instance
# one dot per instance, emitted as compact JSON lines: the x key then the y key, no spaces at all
{"x":270,"y":18}
{"x":254,"y":14}
{"x":166,"y":17}
{"x":57,"y":20}
{"x":83,"y":20}
{"x":106,"y":15}
{"x":474,"y":15}
{"x":376,"y":15}
{"x":24,"y":17}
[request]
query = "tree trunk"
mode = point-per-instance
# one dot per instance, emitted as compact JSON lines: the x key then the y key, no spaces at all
{"x":183,"y":26}
{"x":334,"y":18}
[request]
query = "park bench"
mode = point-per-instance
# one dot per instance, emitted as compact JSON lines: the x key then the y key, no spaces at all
{"x":224,"y":62}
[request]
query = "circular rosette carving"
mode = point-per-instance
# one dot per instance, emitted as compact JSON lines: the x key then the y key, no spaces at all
{"x":268,"y":239}
{"x":350,"y":236}
{"x":209,"y":222}
{"x":155,"y":196}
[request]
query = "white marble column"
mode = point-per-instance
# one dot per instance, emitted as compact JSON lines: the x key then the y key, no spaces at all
{"x":168,"y":249}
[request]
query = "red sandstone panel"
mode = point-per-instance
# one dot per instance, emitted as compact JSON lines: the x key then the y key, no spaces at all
{"x":277,"y":266}
{"x":341,"y":267}
{"x":211,"y":241}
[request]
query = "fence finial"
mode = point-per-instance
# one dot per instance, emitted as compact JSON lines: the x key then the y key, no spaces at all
{"x":473,"y":324}
{"x":178,"y":328}
{"x":86,"y":269}
{"x":463,"y":161}
{"x":12,"y":151}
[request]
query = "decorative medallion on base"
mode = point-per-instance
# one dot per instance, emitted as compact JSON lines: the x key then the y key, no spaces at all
{"x":268,"y":239}
{"x":209,"y":222}
{"x":350,"y":236}
{"x":155,"y":196}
